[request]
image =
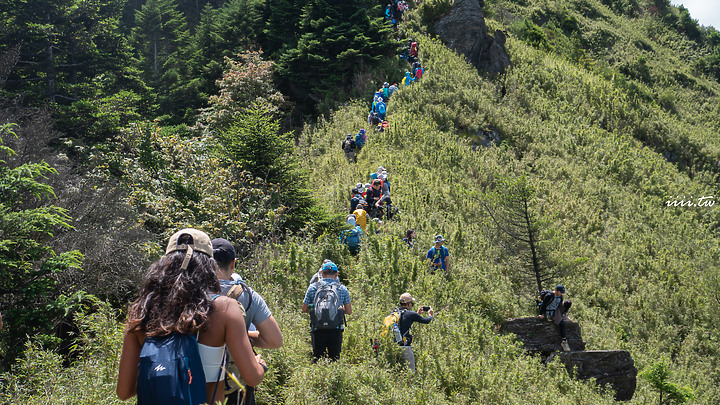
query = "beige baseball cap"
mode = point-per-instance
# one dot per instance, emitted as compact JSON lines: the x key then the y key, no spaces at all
{"x":200,"y":242}
{"x":406,"y":298}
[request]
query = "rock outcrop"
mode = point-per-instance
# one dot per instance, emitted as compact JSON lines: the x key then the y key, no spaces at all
{"x":614,"y":368}
{"x":463,"y":30}
{"x":543,"y":337}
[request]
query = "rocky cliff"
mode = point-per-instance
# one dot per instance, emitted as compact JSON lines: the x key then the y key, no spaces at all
{"x":463,"y":29}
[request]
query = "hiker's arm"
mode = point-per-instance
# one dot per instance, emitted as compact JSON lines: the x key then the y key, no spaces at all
{"x":238,"y":344}
{"x":269,"y":336}
{"x":128,"y":370}
{"x":447,"y":263}
{"x":305,"y":308}
{"x":347,"y":308}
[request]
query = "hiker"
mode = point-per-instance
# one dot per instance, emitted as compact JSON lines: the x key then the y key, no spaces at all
{"x":409,"y":238}
{"x":386,"y":91}
{"x":318,"y":275}
{"x":553,"y":309}
{"x":408,"y":79}
{"x":377,"y":174}
{"x":439,"y":256}
{"x":178,"y":303}
{"x":374,"y":193}
{"x":374,"y":118}
{"x":381,"y":109}
{"x":385,"y":183}
{"x":382,"y":207}
{"x":418,"y":71}
{"x":348,"y":146}
{"x":392,"y":89}
{"x":413,"y":49}
{"x":354,"y":199}
{"x":263,"y":330}
{"x":360,"y":139}
{"x":351,"y":237}
{"x":327,"y":301}
{"x":407,"y":318}
{"x":367,"y":187}
{"x":381,"y":126}
{"x":268,"y":335}
{"x":361,"y":215}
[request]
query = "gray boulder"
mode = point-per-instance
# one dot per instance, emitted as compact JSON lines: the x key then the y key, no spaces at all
{"x":543,"y":337}
{"x":614,"y":368}
{"x":463,"y":30}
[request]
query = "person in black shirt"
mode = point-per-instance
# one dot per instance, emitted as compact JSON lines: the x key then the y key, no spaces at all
{"x":374,"y":194}
{"x":407,"y":318}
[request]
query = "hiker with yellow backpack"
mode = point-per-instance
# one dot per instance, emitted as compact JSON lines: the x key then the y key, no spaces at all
{"x":399,"y":322}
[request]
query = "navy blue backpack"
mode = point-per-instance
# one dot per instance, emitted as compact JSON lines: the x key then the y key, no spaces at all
{"x":170,"y":371}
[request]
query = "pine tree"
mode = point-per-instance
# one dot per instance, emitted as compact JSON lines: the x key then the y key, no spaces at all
{"x":160,"y":39}
{"x":64,"y":45}
{"x":335,"y":39}
{"x":511,"y":211}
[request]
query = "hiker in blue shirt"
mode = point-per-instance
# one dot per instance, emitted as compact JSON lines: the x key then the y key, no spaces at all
{"x":381,"y":109}
{"x":327,"y":325}
{"x":351,"y":237}
{"x":360,"y":140}
{"x":439,"y":256}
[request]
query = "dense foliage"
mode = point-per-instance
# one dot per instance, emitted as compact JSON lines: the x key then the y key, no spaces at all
{"x":607,"y":123}
{"x":28,"y":266}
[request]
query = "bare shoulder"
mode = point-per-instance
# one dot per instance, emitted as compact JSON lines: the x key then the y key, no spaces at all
{"x":224,"y":303}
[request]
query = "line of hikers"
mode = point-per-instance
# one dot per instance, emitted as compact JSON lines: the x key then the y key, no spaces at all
{"x":190,"y":333}
{"x":370,"y":201}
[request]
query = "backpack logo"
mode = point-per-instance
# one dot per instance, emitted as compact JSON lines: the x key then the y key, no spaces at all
{"x":159,"y":368}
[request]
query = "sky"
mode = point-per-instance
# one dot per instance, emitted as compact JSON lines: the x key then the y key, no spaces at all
{"x":707,"y":12}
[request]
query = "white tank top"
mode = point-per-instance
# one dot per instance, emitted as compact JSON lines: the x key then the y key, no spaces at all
{"x":212,"y":358}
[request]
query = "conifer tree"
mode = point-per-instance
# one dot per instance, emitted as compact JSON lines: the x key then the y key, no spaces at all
{"x":511,"y":211}
{"x":64,"y":45}
{"x":160,"y":39}
{"x":335,"y":39}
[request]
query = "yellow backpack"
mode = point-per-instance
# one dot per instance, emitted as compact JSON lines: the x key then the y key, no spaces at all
{"x":391,"y":324}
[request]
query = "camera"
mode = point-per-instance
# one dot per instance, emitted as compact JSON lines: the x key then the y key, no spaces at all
{"x":425,"y":308}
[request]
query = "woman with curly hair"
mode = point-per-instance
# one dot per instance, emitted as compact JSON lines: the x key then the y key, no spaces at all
{"x":181,"y":294}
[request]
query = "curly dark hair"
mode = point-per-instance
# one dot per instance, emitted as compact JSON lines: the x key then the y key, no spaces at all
{"x":175,"y":300}
{"x":409,"y":233}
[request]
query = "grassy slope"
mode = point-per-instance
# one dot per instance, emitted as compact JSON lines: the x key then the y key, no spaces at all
{"x":647,"y":278}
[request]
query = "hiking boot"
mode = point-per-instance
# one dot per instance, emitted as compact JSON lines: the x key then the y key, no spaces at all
{"x":565,"y":345}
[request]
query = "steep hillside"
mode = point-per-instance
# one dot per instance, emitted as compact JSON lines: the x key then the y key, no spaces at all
{"x":608,"y":115}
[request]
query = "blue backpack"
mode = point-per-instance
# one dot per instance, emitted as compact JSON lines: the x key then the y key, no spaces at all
{"x":352,"y":237}
{"x":359,"y":142}
{"x":170,"y":371}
